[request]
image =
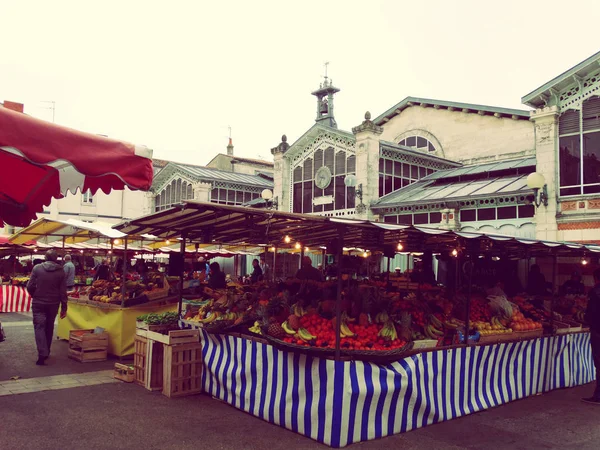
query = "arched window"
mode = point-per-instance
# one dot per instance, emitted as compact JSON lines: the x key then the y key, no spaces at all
{"x":418,"y":142}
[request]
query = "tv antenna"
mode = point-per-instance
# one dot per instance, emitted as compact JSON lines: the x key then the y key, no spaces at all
{"x":52,"y":107}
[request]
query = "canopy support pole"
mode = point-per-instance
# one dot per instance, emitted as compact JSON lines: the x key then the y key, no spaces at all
{"x":338,"y":302}
{"x":470,"y":291}
{"x":554,"y":290}
{"x":124,"y":276}
{"x":182,"y":251}
{"x":274,"y":263}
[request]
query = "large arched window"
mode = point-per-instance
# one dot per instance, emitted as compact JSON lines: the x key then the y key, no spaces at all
{"x":419,"y":143}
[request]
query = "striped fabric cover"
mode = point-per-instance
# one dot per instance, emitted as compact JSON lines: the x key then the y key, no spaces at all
{"x":14,"y":299}
{"x":339,"y":403}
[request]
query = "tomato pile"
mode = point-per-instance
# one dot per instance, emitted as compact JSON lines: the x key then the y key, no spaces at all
{"x":366,"y":335}
{"x":480,"y":311}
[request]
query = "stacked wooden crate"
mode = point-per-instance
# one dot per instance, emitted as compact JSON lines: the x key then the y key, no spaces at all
{"x":88,"y":346}
{"x":169,"y":362}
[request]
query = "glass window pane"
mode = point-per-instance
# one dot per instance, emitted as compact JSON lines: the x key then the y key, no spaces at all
{"x":340,"y":163}
{"x":397,"y":168}
{"x":570,"y":191}
{"x":422,"y":172}
{"x":486,"y":214}
{"x":405,"y":219}
{"x":421,"y":143}
{"x":247,"y":197}
{"x":435,"y":217}
{"x":307,"y":196}
{"x":594,"y":189}
{"x":468,"y":215}
{"x":402,"y":142}
{"x":298,"y":174}
{"x":381,"y":185}
{"x":591,"y":158}
{"x":340,"y":193}
{"x":318,"y":160}
{"x":297,"y":197}
{"x":421,"y":218}
{"x":351,"y":196}
{"x":390,"y":219}
{"x":414,"y":172}
{"x":411,"y":141}
{"x":214,"y":194}
{"x":223,"y":194}
{"x":430,"y":147}
{"x":526,"y":211}
{"x":308,"y":169}
{"x":389,"y":184}
{"x":389,"y":167}
{"x":239,"y":197}
{"x":570,"y":169}
{"x":328,"y":158}
{"x":231,"y":196}
{"x":507,"y":212}
{"x":397,"y":183}
{"x":381,"y":165}
{"x":351,"y":164}
{"x":406,"y":170}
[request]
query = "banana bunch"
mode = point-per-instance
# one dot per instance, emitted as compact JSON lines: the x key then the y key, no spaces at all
{"x":344,"y":330}
{"x":305,"y":335}
{"x":411,"y":296}
{"x":437,"y":323}
{"x":496,"y":323}
{"x":389,"y":331}
{"x":255,"y":328}
{"x":286,"y":327}
{"x":210,"y":317}
{"x":432,"y":332}
{"x":229,"y":316}
{"x":298,"y":310}
{"x":382,"y":317}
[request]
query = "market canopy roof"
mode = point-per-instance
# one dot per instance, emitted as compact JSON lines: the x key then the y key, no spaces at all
{"x":222,"y":224}
{"x":73,"y":231}
{"x":41,"y":161}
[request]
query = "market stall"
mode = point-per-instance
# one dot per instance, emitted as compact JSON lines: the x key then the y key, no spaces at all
{"x":348,"y":361}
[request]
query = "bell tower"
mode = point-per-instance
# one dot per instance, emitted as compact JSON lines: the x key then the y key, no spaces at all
{"x":324,"y":96}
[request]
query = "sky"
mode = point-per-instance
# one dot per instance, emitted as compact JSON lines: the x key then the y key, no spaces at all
{"x":174,"y":76}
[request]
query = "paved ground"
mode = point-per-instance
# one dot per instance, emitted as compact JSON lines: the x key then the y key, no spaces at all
{"x":118,"y":415}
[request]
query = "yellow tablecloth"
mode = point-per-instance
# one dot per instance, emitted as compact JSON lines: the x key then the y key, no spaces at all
{"x":118,"y":322}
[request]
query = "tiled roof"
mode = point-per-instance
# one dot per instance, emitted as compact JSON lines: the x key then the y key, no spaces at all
{"x":210,"y":174}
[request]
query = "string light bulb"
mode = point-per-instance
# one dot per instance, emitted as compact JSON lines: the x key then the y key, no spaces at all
{"x":287,"y":239}
{"x":454,"y":252}
{"x":272,"y":249}
{"x":400,"y":247}
{"x":365,"y":254}
{"x":298,"y":246}
{"x":306,"y":249}
{"x":584,"y":262}
{"x":168,"y":242}
{"x":117,"y":241}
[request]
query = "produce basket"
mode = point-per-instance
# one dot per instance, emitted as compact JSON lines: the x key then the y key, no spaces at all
{"x":379,"y":355}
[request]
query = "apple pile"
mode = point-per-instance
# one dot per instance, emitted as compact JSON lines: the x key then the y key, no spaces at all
{"x":518,"y":322}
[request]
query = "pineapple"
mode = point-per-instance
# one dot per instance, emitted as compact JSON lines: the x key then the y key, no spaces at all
{"x":276,"y":331}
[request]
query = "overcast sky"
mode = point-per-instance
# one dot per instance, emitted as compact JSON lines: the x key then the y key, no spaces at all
{"x":174,"y":75}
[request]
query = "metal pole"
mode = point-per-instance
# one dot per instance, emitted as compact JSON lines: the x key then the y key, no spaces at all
{"x":301,"y":256}
{"x":338,"y":303}
{"x":554,"y":290}
{"x":124,"y":276}
{"x":182,"y":250}
{"x":274,"y":263}
{"x":470,"y":288}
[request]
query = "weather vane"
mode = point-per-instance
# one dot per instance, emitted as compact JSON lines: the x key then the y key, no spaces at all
{"x":326,"y":64}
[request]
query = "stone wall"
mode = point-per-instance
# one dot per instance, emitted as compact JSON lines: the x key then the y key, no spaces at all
{"x":464,"y":136}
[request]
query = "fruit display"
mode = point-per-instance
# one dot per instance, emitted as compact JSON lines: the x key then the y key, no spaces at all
{"x":518,"y":322}
{"x":495,"y":326}
{"x":20,"y":281}
{"x":136,"y":292}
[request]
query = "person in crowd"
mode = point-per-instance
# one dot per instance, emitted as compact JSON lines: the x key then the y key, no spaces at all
{"x":536,"y":282}
{"x":48,"y":288}
{"x":592,"y":317}
{"x":573,"y":286}
{"x":266,"y":269}
{"x":257,"y":273}
{"x":308,"y":272}
{"x":103,"y":271}
{"x":141,"y":269}
{"x":69,"y":269}
{"x":217,"y":278}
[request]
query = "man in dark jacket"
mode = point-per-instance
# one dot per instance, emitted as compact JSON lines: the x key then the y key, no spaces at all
{"x":48,"y":289}
{"x":592,"y":317}
{"x":308,"y":272}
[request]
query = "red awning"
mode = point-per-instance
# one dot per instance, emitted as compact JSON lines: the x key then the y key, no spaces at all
{"x":40,"y":160}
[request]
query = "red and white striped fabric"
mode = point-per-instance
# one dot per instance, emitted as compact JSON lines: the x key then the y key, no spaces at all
{"x":14,"y":299}
{"x":41,"y":161}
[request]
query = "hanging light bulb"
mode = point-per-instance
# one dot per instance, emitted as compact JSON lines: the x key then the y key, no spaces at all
{"x":298,"y":246}
{"x":80,"y":251}
{"x":454,"y":252}
{"x":168,"y":242}
{"x":306,"y":249}
{"x":400,"y":246}
{"x":365,"y":255}
{"x":272,"y":249}
{"x":117,"y":241}
{"x":287,"y":239}
{"x":35,"y":250}
{"x":584,"y":262}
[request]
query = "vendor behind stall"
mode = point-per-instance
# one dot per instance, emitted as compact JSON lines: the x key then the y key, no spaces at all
{"x":257,"y":273}
{"x":308,"y":272}
{"x":217,"y":278}
{"x":574,"y":286}
{"x":103,"y":271}
{"x":536,"y":282}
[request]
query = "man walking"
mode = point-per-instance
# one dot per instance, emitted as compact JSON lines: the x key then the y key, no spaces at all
{"x":592,"y":317}
{"x":69,"y":269}
{"x":48,"y":289}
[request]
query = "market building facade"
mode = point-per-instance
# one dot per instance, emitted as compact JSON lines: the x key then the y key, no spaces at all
{"x":455,"y":165}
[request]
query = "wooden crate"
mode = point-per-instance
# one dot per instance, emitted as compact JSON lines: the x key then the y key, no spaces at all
{"x":124,"y":373}
{"x":148,"y":363}
{"x":182,"y":370}
{"x":174,"y":337}
{"x":87,"y":346}
{"x":499,"y":337}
